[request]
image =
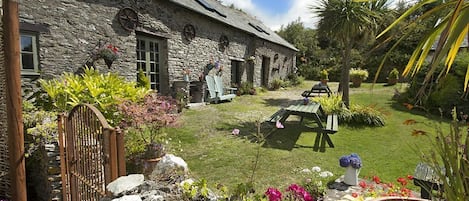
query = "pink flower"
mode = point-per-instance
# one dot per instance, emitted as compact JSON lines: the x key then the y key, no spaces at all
{"x":235,"y":131}
{"x":273,"y":194}
{"x":300,"y":192}
{"x":278,"y":124}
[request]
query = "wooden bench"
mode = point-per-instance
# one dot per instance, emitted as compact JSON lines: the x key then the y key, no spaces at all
{"x":427,"y":180}
{"x":277,"y":116}
{"x":332,"y":125}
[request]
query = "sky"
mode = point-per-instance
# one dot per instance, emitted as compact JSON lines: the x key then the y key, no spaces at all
{"x":275,"y":13}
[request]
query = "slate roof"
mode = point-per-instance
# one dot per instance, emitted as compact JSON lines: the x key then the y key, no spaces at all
{"x":234,"y":18}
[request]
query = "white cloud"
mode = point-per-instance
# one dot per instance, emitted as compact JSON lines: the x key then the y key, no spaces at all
{"x":299,"y":9}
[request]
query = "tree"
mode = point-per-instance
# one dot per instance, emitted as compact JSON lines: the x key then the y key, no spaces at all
{"x":305,"y":40}
{"x":448,"y":36}
{"x":349,"y":22}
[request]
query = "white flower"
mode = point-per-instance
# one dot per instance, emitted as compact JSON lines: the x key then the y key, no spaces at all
{"x":306,"y":170}
{"x":188,"y":181}
{"x":316,"y":169}
{"x":326,"y":174}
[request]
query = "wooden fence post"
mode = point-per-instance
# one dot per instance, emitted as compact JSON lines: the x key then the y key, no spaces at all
{"x":14,"y":107}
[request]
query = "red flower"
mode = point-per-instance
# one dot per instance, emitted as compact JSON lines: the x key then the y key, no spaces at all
{"x":362,"y":184}
{"x":410,"y":177}
{"x":354,"y":195}
{"x":376,"y":179}
{"x":402,"y":181}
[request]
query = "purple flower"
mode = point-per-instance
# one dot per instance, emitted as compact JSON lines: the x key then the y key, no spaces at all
{"x":355,"y":162}
{"x":273,"y":194}
{"x":352,"y":159}
{"x":344,"y":161}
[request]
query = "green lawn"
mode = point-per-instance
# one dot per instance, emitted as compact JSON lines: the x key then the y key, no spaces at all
{"x":213,"y":153}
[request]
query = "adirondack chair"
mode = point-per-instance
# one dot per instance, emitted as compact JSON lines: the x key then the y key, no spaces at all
{"x":231,"y":92}
{"x":213,"y":94}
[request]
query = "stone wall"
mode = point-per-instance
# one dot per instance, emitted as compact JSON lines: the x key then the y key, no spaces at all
{"x":4,"y":161}
{"x":76,"y":27}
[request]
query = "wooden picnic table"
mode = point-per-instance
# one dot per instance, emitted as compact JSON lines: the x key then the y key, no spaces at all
{"x":312,"y":110}
{"x":327,"y":124}
{"x":317,"y":90}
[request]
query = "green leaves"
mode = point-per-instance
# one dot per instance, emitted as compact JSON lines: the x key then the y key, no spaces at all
{"x":104,"y":91}
{"x":448,"y":36}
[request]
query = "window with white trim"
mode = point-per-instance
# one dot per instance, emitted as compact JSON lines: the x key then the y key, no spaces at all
{"x":148,"y":59}
{"x":28,"y":53}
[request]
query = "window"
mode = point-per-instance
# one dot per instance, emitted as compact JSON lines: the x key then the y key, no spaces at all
{"x":28,"y":53}
{"x":148,"y":59}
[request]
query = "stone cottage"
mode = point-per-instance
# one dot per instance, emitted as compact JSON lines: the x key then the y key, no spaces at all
{"x":162,"y":37}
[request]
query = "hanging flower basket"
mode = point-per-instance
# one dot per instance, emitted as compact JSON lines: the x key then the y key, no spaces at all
{"x":108,"y":53}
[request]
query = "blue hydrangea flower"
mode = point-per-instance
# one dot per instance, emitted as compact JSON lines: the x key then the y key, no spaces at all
{"x":344,"y":161}
{"x":351,"y":160}
{"x":355,"y":162}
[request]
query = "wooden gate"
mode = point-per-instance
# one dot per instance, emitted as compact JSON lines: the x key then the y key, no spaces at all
{"x":91,"y":154}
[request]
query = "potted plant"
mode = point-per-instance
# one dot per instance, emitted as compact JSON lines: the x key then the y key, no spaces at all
{"x":324,"y":75}
{"x":357,"y":76}
{"x":393,"y":76}
{"x":352,"y":163}
{"x":108,"y":53}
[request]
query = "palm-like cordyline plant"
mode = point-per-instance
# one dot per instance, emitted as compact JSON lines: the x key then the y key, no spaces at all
{"x":452,"y":150}
{"x":448,"y":35}
{"x":348,"y":22}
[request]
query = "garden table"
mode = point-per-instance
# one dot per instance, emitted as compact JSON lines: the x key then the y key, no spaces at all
{"x":314,"y":111}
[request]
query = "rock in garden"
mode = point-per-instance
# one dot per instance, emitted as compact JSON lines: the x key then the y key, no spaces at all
{"x":169,"y":164}
{"x":125,"y":183}
{"x":128,"y":198}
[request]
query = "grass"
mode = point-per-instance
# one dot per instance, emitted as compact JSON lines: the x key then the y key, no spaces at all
{"x":213,"y":153}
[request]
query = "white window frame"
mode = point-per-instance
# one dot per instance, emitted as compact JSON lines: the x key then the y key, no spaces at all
{"x":157,"y":61}
{"x":35,"y":53}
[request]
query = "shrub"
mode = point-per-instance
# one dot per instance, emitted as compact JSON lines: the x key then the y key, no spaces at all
{"x":40,"y":127}
{"x":324,"y":75}
{"x":364,"y":115}
{"x":146,"y":119}
{"x":143,"y":80}
{"x":276,"y":84}
{"x":246,"y":88}
{"x":330,"y":105}
{"x":393,"y":74}
{"x":357,"y":73}
{"x":104,"y":91}
{"x":294,"y":79}
{"x":367,"y":115}
{"x":450,"y":151}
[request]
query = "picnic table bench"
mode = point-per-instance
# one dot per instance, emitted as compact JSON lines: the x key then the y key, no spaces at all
{"x":311,"y":110}
{"x":317,"y":90}
{"x":427,"y":180}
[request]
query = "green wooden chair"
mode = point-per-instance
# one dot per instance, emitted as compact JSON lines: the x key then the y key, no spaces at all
{"x":214,"y":95}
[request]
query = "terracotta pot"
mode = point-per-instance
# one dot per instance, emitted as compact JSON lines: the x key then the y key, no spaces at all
{"x":324,"y":82}
{"x":392,"y":81}
{"x":356,"y":82}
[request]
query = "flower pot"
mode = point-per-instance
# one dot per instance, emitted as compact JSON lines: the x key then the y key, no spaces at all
{"x":356,"y":82}
{"x":324,"y":81}
{"x":108,"y":62}
{"x":392,"y":81}
{"x":351,"y":176}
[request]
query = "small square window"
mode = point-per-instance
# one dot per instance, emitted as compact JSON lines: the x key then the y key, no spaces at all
{"x":28,"y":53}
